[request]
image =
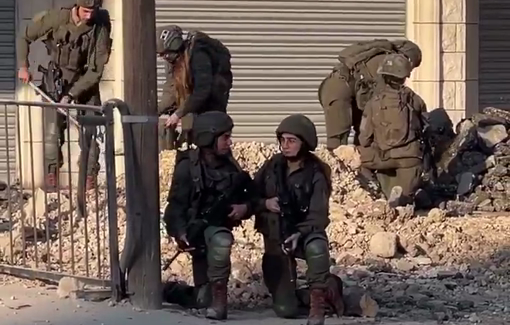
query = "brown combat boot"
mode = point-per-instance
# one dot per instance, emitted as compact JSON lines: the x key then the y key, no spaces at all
{"x":334,"y":295}
{"x":218,"y":308}
{"x":90,"y":183}
{"x":317,"y":307}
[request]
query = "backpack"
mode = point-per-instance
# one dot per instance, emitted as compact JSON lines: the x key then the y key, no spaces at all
{"x":359,"y":52}
{"x":394,"y":122}
{"x":219,"y":53}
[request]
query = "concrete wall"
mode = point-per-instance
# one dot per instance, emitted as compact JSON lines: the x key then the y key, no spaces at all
{"x":110,"y":87}
{"x":447,"y":32}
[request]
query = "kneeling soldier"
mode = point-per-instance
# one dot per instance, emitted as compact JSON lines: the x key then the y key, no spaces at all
{"x":292,"y":214}
{"x":207,"y":199}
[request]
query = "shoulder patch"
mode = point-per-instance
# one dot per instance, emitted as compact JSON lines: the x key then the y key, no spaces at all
{"x":39,"y":16}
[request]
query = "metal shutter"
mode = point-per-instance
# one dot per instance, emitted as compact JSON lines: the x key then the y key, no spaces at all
{"x":282,"y":50}
{"x":494,"y":54}
{"x":7,"y":86}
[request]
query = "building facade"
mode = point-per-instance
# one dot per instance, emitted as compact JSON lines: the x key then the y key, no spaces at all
{"x":281,"y":51}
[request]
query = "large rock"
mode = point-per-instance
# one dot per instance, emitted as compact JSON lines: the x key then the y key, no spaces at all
{"x":384,"y":244}
{"x":491,"y":135}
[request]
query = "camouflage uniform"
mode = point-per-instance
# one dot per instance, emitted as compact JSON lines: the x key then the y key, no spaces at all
{"x":356,"y":70}
{"x":196,"y":185}
{"x":81,"y":53}
{"x":211,"y":77}
{"x":394,"y":149}
{"x":310,"y":188}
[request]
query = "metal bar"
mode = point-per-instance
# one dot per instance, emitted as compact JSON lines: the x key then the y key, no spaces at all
{"x":9,"y":207}
{"x":45,"y":187}
{"x":111,"y":184}
{"x":59,"y":210}
{"x":139,"y":119}
{"x":94,"y":120}
{"x":98,"y":233}
{"x":32,"y":169}
{"x":49,"y":276}
{"x":22,"y":211}
{"x":96,"y":109}
{"x":70,"y":180}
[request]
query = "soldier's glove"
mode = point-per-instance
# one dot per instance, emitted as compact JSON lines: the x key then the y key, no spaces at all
{"x":290,"y":244}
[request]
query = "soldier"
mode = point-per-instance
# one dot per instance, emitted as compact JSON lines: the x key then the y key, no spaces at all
{"x":356,"y":70}
{"x":78,"y":42}
{"x":199,"y":78}
{"x":292,"y":214}
{"x":206,"y":200}
{"x":391,"y":140}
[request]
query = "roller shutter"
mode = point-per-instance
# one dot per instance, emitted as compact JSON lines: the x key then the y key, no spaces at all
{"x":7,"y":87}
{"x":282,"y":50}
{"x":494,"y":54}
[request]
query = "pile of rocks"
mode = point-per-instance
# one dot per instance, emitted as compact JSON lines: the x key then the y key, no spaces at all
{"x":473,"y":163}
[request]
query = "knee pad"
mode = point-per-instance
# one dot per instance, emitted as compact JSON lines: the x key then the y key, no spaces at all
{"x":220,"y":246}
{"x":286,"y":310}
{"x":316,"y":247}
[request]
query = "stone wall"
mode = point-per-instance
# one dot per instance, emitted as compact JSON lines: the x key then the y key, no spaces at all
{"x":447,"y":32}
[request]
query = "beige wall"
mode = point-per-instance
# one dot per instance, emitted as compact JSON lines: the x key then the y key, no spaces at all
{"x":447,"y":32}
{"x":110,"y":87}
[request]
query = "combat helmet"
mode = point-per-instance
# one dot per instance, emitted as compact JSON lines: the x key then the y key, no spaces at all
{"x":210,"y":125}
{"x":300,"y":126}
{"x":396,"y":65}
{"x":169,"y":39}
{"x":410,"y":50}
{"x":89,"y":3}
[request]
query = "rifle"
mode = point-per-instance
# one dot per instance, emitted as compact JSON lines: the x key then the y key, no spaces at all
{"x":287,"y":213}
{"x":215,"y":215}
{"x":52,"y":81}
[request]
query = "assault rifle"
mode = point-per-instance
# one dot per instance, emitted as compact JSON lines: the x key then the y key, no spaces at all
{"x":216,"y":214}
{"x":52,"y":81}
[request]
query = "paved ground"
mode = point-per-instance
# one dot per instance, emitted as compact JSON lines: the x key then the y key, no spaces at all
{"x":22,"y":305}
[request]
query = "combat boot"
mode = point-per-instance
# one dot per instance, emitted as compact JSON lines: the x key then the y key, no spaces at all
{"x":334,"y":295}
{"x":218,"y":308}
{"x":317,"y":307}
{"x":90,"y":183}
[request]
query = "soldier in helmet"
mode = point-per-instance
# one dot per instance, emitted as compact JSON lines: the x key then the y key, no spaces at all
{"x":356,"y":71}
{"x":199,"y":77}
{"x":78,"y":42}
{"x":292,"y":214}
{"x":391,"y":132}
{"x":207,"y":198}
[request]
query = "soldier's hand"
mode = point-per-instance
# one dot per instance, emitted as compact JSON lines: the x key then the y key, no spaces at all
{"x":66,"y":99}
{"x":238,"y":211}
{"x":24,"y":75}
{"x":172,"y":121}
{"x":272,"y":205}
{"x":183,"y":243}
{"x":291,"y":241}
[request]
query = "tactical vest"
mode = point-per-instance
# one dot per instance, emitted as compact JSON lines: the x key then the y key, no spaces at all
{"x":70,"y":46}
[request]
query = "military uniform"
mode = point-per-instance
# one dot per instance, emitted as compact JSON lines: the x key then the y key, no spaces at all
{"x":210,"y":74}
{"x":80,"y":53}
{"x":197,"y":185}
{"x":356,"y":70}
{"x":392,"y":132}
{"x":309,"y":189}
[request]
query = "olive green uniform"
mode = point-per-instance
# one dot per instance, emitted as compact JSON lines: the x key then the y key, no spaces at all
{"x":197,"y":183}
{"x":81,"y":52}
{"x":400,"y":164}
{"x":337,"y":92}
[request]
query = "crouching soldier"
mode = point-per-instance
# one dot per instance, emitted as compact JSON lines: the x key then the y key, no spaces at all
{"x":391,"y":132}
{"x":292,"y":214}
{"x":208,"y":197}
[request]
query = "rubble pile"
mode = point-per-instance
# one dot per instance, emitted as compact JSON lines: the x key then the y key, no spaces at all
{"x":473,"y":169}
